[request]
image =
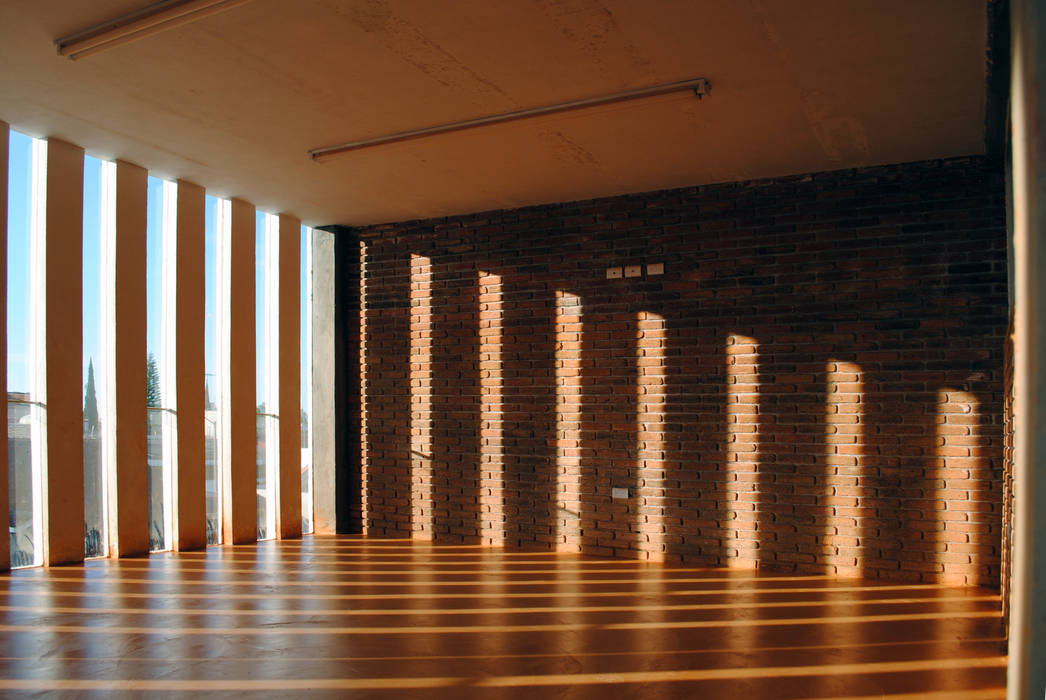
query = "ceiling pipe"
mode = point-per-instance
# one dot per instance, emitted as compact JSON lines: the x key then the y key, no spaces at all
{"x":139,"y":24}
{"x":699,"y":86}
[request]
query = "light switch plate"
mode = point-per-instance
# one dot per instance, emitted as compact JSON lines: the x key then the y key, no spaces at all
{"x":655,"y":269}
{"x":633,"y":270}
{"x":618,"y":493}
{"x":613,"y":273}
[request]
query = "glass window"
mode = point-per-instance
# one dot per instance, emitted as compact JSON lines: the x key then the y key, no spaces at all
{"x":267,"y":357}
{"x":25,"y":228}
{"x":306,"y":379}
{"x":213,"y":475}
{"x":160,"y":232}
{"x":99,"y":213}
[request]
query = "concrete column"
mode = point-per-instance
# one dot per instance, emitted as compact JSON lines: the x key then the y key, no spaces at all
{"x":1027,"y":666}
{"x":324,"y":515}
{"x":190,"y":502}
{"x":5,"y":499}
{"x":336,"y":381}
{"x":62,"y":345}
{"x":336,"y":402}
{"x":128,"y":478}
{"x":238,"y":375}
{"x":288,"y":515}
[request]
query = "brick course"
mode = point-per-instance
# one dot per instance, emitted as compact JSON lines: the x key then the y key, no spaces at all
{"x":815,"y":383}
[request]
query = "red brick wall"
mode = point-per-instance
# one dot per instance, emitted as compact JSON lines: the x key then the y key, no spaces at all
{"x":814,"y":384}
{"x":1008,"y":467}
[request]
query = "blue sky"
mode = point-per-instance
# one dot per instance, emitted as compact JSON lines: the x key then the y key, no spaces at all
{"x":153,"y":270}
{"x":260,"y":331}
{"x":18,"y":330}
{"x":20,"y":165}
{"x":92,"y":265}
{"x":210,"y":275}
{"x":19,"y":261}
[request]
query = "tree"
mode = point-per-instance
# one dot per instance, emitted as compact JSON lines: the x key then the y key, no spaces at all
{"x":152,"y":383}
{"x":90,"y":402}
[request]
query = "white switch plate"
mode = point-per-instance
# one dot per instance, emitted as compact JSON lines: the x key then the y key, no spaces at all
{"x":655,"y":269}
{"x":633,"y":270}
{"x":618,"y":493}
{"x":613,"y":273}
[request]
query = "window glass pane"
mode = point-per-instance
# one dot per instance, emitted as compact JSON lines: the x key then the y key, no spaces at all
{"x":213,"y":476}
{"x":93,"y":362}
{"x":157,"y":541}
{"x":23,"y":418}
{"x":159,"y":235}
{"x":266,"y":514}
{"x":260,"y":346}
{"x":154,"y":301}
{"x":19,"y":212}
{"x":263,"y":495}
{"x":306,"y":379}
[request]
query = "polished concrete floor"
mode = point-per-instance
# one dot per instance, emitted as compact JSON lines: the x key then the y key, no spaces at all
{"x":364,"y":618}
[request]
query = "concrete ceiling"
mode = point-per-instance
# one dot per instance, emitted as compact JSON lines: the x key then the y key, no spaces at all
{"x":234,"y":101}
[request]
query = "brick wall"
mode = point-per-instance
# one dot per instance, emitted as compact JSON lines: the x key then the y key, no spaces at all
{"x":1008,"y":490}
{"x":813,"y":384}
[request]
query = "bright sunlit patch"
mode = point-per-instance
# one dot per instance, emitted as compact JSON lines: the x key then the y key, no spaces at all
{"x":740,"y":512}
{"x":535,"y":680}
{"x":568,"y":421}
{"x":961,"y":694}
{"x":426,"y":582}
{"x":421,"y":396}
{"x":497,"y":610}
{"x":989,"y":644}
{"x":844,"y":444}
{"x":741,"y":673}
{"x":243,"y":686}
{"x":287,"y":630}
{"x":842,"y":591}
{"x":352,"y":570}
{"x":491,"y":320}
{"x":962,"y":469}
{"x":650,"y":430}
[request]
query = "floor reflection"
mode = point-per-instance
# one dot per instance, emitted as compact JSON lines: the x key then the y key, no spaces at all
{"x":388,"y":618}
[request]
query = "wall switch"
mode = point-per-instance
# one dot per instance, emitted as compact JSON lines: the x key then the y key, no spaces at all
{"x":655,"y":269}
{"x":619,"y":493}
{"x":613,"y":273}
{"x":633,"y":270}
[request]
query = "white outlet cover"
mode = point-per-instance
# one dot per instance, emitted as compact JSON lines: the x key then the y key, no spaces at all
{"x":655,"y":269}
{"x":613,"y":273}
{"x":633,"y":270}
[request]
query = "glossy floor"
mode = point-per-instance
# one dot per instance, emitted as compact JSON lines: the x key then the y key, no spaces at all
{"x":353,"y":617}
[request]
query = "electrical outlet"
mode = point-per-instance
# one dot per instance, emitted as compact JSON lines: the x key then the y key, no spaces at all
{"x":633,"y":270}
{"x":613,"y":273}
{"x":618,"y":493}
{"x":655,"y":269}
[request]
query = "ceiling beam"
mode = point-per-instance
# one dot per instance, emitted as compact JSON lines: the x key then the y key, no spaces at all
{"x":699,"y":86}
{"x":139,"y":24}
